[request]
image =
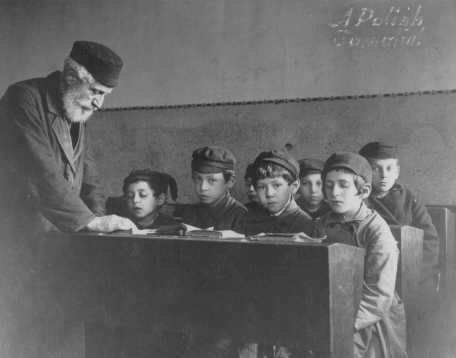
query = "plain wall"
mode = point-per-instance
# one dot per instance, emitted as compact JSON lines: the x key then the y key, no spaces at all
{"x":423,"y":127}
{"x":201,"y":51}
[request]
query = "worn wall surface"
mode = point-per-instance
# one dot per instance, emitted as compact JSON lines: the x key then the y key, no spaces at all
{"x":164,"y":139}
{"x":201,"y":51}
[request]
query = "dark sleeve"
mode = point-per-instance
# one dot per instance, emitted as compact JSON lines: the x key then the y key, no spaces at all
{"x":422,"y":219}
{"x":238,"y":224}
{"x":115,"y":205}
{"x":56,"y":200}
{"x":90,"y":190}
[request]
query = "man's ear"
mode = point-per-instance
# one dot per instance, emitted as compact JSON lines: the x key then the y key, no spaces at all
{"x":295,"y":186}
{"x":365,"y":191}
{"x":161,"y":199}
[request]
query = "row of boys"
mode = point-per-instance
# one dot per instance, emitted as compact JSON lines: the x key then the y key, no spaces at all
{"x":351,"y":197}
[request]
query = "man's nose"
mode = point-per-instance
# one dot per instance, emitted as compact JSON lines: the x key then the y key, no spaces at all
{"x":97,"y":102}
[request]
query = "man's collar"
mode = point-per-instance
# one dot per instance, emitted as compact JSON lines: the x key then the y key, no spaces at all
{"x":396,"y":187}
{"x":291,"y":205}
{"x":219,"y":203}
{"x":147,"y":220}
{"x":360,"y":215}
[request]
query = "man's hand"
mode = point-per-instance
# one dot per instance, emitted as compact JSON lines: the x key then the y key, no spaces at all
{"x":110,"y":223}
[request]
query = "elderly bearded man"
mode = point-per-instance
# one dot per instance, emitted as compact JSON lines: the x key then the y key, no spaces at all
{"x":48,"y":173}
{"x":48,"y":180}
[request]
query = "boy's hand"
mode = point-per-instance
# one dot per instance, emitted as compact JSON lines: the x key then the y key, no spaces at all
{"x":110,"y":223}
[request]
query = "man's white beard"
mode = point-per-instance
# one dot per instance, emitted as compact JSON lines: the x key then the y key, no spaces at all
{"x":74,"y":112}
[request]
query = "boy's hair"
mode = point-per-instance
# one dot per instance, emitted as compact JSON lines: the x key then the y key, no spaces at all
{"x":271,"y":170}
{"x":275,"y":163}
{"x":158,"y":182}
{"x":249,"y":171}
{"x":359,"y":181}
{"x":228,"y":175}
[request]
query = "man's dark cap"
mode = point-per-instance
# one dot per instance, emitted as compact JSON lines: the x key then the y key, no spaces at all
{"x":308,"y":165}
{"x":379,"y":150}
{"x":102,"y":63}
{"x":351,"y":161}
{"x":213,"y":159}
{"x":279,"y":157}
{"x":162,"y":181}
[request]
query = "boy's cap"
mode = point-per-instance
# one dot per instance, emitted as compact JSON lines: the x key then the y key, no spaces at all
{"x":379,"y":150}
{"x":308,"y":165}
{"x":163,"y":181}
{"x":351,"y":161}
{"x":212,"y":159}
{"x":102,"y":63}
{"x":249,"y":171}
{"x":281,"y":158}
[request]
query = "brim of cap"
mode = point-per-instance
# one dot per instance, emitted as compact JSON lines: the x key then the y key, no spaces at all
{"x":340,"y":166}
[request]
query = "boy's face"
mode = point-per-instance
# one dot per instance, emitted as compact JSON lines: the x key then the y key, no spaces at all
{"x":385,"y":172}
{"x":341,"y":192}
{"x":275,"y":193}
{"x":251,"y":192}
{"x":210,"y":187}
{"x":141,"y":200}
{"x":311,"y":188}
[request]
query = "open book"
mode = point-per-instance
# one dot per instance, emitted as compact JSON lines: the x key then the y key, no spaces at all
{"x":193,"y":231}
{"x":189,"y":230}
{"x":295,"y":237}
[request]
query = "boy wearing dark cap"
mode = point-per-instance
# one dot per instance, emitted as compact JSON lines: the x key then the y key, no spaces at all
{"x":276,"y":181}
{"x":310,"y":193}
{"x":398,"y":205}
{"x":380,"y":321}
{"x":213,"y":176}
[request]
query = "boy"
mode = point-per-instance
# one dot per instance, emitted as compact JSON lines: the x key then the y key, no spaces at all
{"x":253,"y":203}
{"x":380,"y":320}
{"x":276,"y":181}
{"x":275,"y":176}
{"x":144,"y":194}
{"x":213,"y":176}
{"x":310,"y":191}
{"x":399,"y":206}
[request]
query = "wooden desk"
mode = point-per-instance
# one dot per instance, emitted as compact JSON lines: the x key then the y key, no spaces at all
{"x":410,"y":241}
{"x":443,"y":219}
{"x":302,"y":293}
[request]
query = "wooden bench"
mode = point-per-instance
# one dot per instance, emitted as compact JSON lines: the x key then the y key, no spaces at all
{"x":443,"y":219}
{"x":410,"y":241}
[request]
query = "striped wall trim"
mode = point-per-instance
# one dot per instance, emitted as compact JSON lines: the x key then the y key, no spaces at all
{"x":283,"y":100}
